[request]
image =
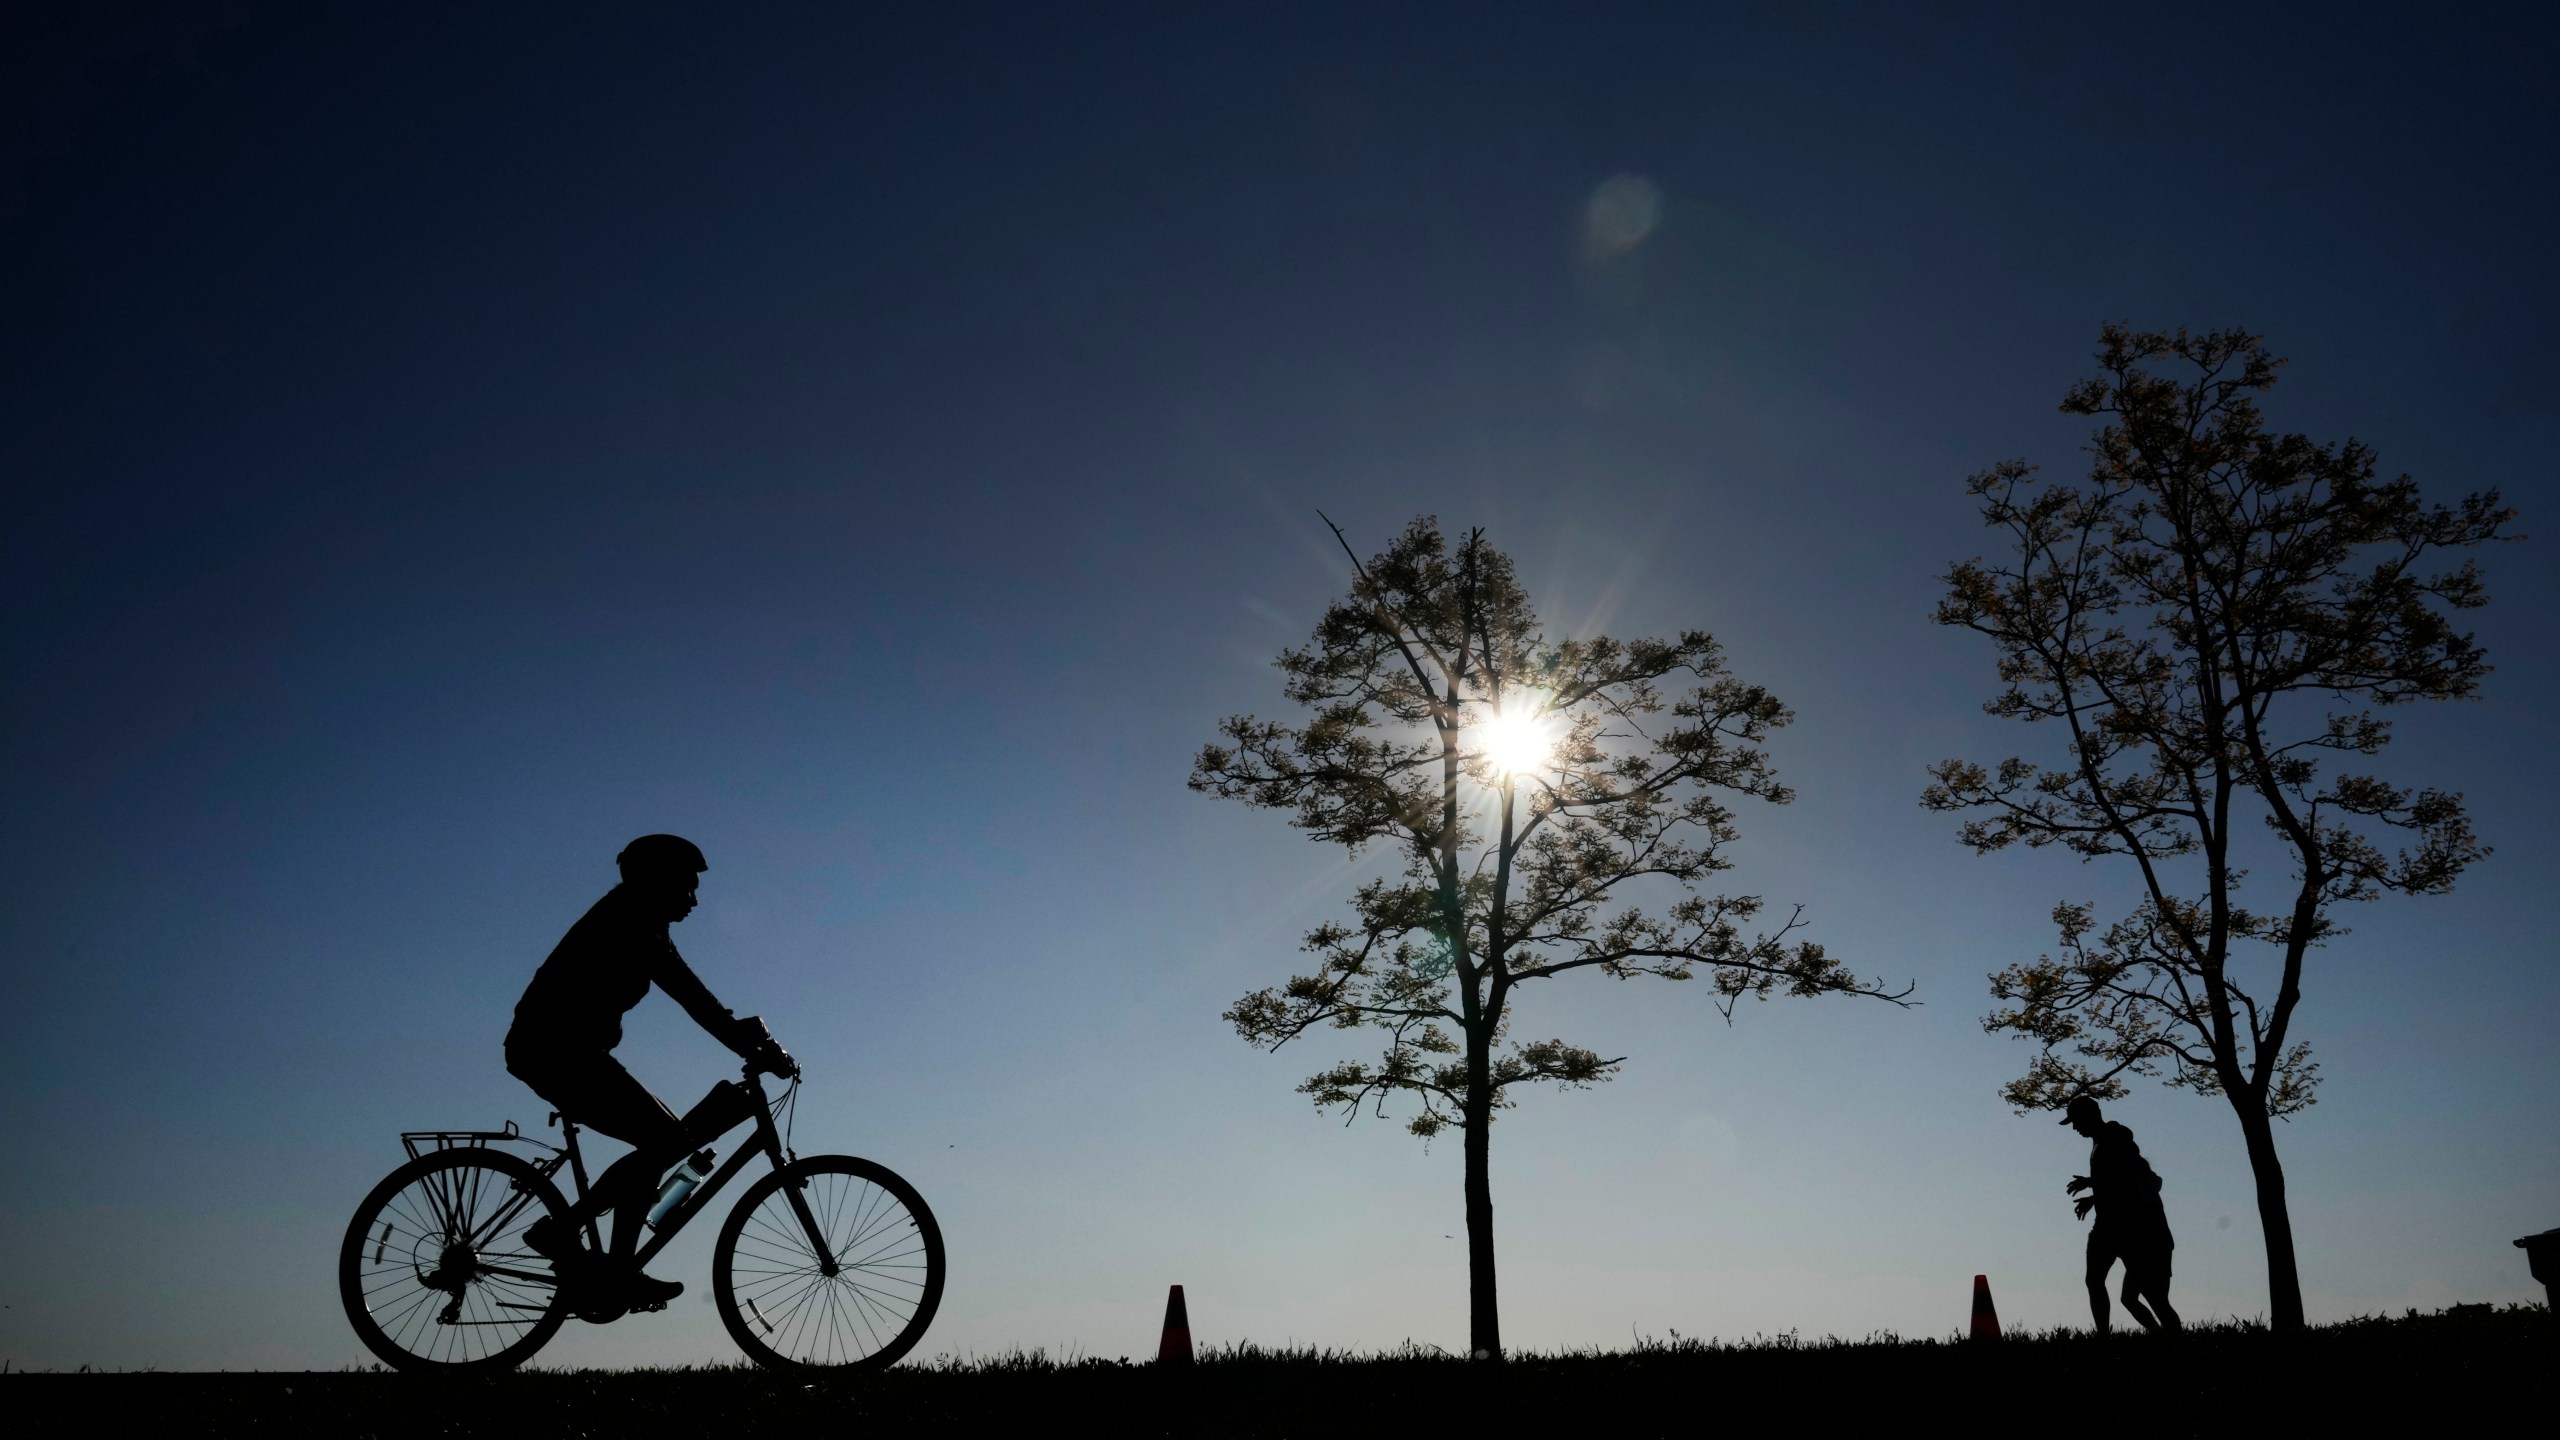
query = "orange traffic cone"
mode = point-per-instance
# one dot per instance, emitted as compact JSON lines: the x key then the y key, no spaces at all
{"x":1175,"y":1348}
{"x":1986,"y":1321}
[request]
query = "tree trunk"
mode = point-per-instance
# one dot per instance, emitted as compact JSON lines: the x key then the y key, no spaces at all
{"x":1484,"y":1319}
{"x":2275,"y":1222}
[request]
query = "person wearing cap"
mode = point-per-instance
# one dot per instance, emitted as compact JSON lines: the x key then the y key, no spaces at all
{"x":562,"y":1042}
{"x":2132,"y":1225}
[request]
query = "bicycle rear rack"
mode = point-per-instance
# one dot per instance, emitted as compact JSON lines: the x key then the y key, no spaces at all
{"x":427,"y":1142}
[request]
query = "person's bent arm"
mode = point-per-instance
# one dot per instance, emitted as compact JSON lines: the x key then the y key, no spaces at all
{"x":747,"y":1038}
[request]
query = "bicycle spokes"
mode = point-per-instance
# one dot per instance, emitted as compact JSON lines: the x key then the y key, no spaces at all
{"x":846,"y":1296}
{"x":442,"y":1270}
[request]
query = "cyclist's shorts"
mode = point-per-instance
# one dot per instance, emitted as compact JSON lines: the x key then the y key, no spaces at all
{"x":593,"y":1089}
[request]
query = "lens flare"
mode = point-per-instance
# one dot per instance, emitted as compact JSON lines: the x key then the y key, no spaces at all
{"x":1622,"y":212}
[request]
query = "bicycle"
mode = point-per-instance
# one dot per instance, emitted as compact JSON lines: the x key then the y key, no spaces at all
{"x":830,"y":1262}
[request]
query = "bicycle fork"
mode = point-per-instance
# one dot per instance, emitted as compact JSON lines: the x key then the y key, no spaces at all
{"x":794,"y":1189}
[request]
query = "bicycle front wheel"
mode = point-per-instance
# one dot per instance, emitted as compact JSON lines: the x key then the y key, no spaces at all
{"x":860,"y":1306}
{"x":435,"y":1273}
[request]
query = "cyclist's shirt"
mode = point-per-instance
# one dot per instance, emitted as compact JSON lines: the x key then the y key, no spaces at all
{"x":2127,"y":1191}
{"x":598,"y":971}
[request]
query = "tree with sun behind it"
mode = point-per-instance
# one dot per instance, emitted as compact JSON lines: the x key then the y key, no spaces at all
{"x":1553,"y":810}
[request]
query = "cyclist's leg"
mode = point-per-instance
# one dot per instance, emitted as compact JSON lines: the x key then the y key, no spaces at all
{"x":594,"y":1090}
{"x":658,"y":1139}
{"x":717,"y":1113}
{"x":629,"y":1113}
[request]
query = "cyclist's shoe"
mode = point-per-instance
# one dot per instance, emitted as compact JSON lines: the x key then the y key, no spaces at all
{"x":555,"y":1240}
{"x":644,"y":1292}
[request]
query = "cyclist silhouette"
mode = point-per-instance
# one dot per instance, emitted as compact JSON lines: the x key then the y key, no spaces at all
{"x":562,"y":1042}
{"x":2131,"y":1225}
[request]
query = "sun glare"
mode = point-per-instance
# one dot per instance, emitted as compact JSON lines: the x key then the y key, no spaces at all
{"x":1520,"y":741}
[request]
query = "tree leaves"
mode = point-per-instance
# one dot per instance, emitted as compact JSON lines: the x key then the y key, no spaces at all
{"x":2172,"y":614}
{"x":1591,"y":859}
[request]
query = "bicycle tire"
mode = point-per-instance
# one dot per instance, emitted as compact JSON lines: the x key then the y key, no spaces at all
{"x":425,"y":1207}
{"x":870,"y":1313}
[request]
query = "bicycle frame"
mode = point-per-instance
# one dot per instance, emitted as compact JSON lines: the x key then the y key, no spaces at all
{"x":767,"y":1142}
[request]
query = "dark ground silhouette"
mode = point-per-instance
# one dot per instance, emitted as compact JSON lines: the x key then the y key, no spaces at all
{"x":2466,"y":1366}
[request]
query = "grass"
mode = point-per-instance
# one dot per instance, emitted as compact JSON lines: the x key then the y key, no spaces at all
{"x":2462,"y":1366}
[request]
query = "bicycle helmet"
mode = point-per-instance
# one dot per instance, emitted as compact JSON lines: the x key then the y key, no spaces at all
{"x":661,"y":855}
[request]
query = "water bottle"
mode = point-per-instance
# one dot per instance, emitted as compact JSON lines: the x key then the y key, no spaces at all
{"x":679,"y":1186}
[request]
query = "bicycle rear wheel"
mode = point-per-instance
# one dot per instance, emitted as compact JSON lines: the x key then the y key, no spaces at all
{"x":788,"y":1310}
{"x":435,"y":1273}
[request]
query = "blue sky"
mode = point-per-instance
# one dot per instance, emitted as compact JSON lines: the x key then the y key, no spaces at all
{"x":441,"y":446}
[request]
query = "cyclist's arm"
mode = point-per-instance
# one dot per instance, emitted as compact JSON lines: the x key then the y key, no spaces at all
{"x":686,"y":989}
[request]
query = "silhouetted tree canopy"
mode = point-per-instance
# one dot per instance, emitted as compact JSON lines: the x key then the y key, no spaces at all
{"x":1588,"y":850}
{"x":2210,"y":621}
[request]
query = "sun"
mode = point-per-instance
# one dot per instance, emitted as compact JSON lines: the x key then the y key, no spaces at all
{"x":1518,"y":741}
